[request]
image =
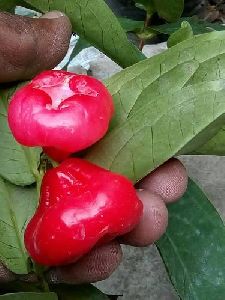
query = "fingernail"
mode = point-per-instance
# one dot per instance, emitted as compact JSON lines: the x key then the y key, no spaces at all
{"x":53,"y":15}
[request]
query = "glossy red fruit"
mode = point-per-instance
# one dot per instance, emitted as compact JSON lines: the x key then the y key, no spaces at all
{"x":60,"y":109}
{"x":81,"y":205}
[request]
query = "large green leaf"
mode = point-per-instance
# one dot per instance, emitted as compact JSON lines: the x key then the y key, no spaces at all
{"x":30,"y":296}
{"x":17,"y":205}
{"x":170,"y":10}
{"x":170,"y":111}
{"x":193,"y":247}
{"x":80,"y":292}
{"x":18,"y":164}
{"x":94,"y":21}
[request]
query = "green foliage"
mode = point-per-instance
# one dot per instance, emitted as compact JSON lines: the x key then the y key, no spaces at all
{"x":185,"y":32}
{"x":215,"y":145}
{"x":193,"y":247}
{"x":170,"y":104}
{"x":170,"y":10}
{"x":18,"y":164}
{"x":8,"y":5}
{"x":163,"y":113}
{"x":198,"y":26}
{"x":17,"y":205}
{"x":147,"y":5}
{"x":130,"y":25}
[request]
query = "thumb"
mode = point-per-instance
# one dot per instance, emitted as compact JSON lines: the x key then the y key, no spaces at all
{"x":29,"y":45}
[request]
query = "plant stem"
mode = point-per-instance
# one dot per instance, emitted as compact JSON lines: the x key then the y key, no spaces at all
{"x":39,"y":177}
{"x":54,"y":163}
{"x":39,"y":270}
{"x":142,"y":41}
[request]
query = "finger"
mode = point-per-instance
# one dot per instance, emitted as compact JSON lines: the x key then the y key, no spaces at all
{"x":169,"y":181}
{"x":6,"y":275}
{"x":29,"y":46}
{"x":153,"y":222}
{"x":97,"y":265}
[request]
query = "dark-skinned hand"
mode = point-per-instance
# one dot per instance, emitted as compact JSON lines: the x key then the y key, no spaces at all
{"x":29,"y":46}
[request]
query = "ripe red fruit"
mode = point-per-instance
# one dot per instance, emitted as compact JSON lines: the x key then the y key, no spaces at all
{"x":62,"y":110}
{"x":81,"y":205}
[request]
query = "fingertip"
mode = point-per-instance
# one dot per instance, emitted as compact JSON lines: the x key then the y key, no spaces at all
{"x":97,"y":265}
{"x":6,"y":275}
{"x":31,"y":45}
{"x":169,"y":181}
{"x":153,"y":222}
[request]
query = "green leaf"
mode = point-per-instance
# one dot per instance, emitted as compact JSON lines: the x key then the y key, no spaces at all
{"x":130,"y":25}
{"x":8,"y":5}
{"x":79,"y":292}
{"x":30,"y":296}
{"x":18,"y":164}
{"x":17,"y":205}
{"x":147,"y":5}
{"x":94,"y":21}
{"x":164,"y":113}
{"x":198,"y":26}
{"x":215,"y":146}
{"x":170,"y":10}
{"x":182,"y":34}
{"x":193,"y":247}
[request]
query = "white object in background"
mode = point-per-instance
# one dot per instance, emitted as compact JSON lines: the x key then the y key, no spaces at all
{"x":151,"y":50}
{"x":65,"y":60}
{"x":22,"y":11}
{"x":81,"y":62}
{"x":101,"y":66}
{"x":92,"y":59}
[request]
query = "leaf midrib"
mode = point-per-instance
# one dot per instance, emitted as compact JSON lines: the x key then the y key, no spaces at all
{"x":182,"y":264}
{"x":14,"y":224}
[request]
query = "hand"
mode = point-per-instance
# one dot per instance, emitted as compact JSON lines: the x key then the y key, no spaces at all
{"x":29,"y":46}
{"x":165,"y":185}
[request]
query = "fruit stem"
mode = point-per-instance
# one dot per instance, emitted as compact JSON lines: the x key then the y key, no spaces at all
{"x":39,"y":270}
{"x":53,"y":162}
{"x":39,"y":178}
